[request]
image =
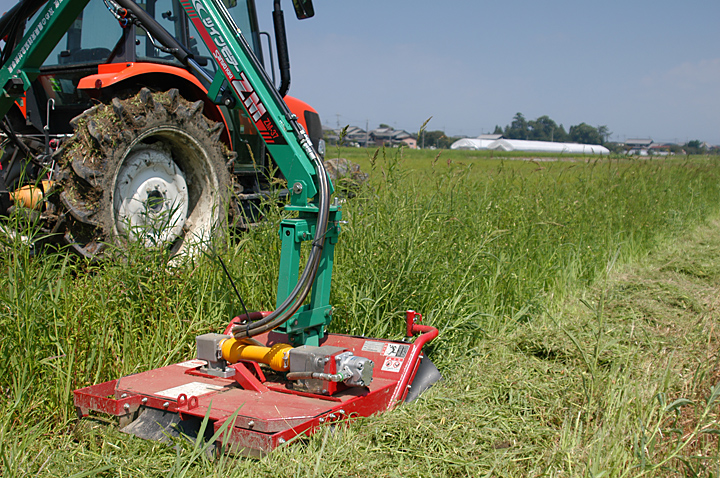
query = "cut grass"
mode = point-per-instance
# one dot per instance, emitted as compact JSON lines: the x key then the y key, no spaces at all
{"x":575,"y":311}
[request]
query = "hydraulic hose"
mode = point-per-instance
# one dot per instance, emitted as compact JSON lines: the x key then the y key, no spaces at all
{"x":12,"y":24}
{"x":330,"y":377}
{"x":150,"y":25}
{"x":282,"y":48}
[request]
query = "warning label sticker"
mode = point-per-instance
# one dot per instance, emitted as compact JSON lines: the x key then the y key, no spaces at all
{"x":189,"y":389}
{"x":396,"y":350}
{"x":392,"y":364}
{"x":192,"y":363}
{"x":373,"y":346}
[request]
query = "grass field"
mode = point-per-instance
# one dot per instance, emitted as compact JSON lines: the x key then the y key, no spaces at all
{"x":576,"y":302}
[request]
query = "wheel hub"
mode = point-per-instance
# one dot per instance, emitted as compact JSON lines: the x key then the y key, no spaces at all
{"x":151,"y":196}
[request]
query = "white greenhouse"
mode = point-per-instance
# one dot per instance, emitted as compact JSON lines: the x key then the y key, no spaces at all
{"x":529,"y":146}
{"x":471,"y":143}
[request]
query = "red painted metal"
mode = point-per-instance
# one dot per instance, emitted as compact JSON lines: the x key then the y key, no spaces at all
{"x":329,"y":398}
{"x":247,"y":380}
{"x":428,"y":333}
{"x":269,"y":412}
{"x":112,"y":73}
{"x":255,"y":369}
{"x":97,"y":397}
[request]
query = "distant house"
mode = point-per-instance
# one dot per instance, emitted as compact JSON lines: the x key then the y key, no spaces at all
{"x":638,"y":143}
{"x":352,"y":136}
{"x":392,"y":137}
{"x":638,"y":146}
{"x":410,"y":142}
{"x":355,"y":135}
{"x":662,"y":149}
{"x":490,"y":137}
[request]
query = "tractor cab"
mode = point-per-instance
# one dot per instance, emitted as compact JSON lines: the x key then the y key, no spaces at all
{"x":97,"y":38}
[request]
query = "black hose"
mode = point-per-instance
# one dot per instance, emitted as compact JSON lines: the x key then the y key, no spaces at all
{"x":150,"y":25}
{"x":12,"y":24}
{"x":282,"y":49}
{"x":7,"y":128}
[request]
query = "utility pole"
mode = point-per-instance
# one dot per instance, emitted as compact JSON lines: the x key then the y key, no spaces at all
{"x":367,"y":132}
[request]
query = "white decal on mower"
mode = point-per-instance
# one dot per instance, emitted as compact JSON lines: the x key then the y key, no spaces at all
{"x":373,"y":346}
{"x":194,"y":363}
{"x":189,"y":389}
{"x":396,"y":350}
{"x":392,"y":364}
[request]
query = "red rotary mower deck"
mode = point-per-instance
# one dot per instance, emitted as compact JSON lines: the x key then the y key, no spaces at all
{"x":165,"y":400}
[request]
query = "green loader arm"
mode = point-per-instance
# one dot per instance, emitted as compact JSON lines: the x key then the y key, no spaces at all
{"x":241,"y":74}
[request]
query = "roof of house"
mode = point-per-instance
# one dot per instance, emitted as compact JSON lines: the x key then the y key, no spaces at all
{"x":638,"y":142}
{"x":390,"y":134}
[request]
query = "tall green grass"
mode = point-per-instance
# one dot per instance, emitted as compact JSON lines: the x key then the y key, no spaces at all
{"x":478,"y":249}
{"x":483,"y":249}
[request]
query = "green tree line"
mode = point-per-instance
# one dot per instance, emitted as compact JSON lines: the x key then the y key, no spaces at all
{"x":545,"y":129}
{"x":540,"y":129}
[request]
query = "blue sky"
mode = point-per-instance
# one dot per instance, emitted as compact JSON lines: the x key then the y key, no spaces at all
{"x":644,"y":69}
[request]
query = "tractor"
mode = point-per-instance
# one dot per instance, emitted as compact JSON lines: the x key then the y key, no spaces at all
{"x":174,"y":166}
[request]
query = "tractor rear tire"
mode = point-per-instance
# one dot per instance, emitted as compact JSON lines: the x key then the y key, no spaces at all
{"x":147,"y":169}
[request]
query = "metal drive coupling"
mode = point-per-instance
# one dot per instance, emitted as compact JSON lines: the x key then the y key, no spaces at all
{"x":220,"y":350}
{"x":316,"y":369}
